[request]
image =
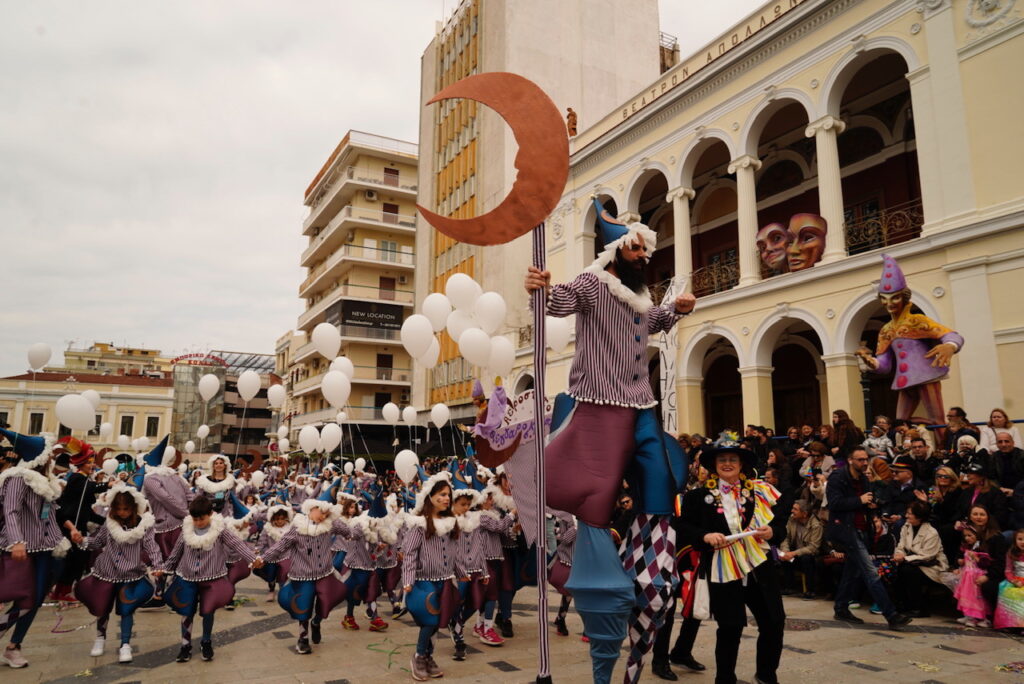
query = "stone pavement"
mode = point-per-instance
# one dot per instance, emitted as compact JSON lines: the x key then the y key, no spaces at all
{"x":254,"y":644}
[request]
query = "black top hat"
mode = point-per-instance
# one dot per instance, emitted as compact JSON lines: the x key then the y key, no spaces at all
{"x":708,"y":455}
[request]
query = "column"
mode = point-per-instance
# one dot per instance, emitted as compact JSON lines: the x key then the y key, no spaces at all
{"x":758,"y":407}
{"x":746,"y":212}
{"x":830,"y":186}
{"x":682,"y":249}
{"x":690,"y":403}
{"x":843,"y":383}
{"x":977,"y":363}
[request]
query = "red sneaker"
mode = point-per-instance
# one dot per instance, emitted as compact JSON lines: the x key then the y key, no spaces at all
{"x":478,"y":630}
{"x":585,"y":639}
{"x":491,"y":638}
{"x":349,"y":622}
{"x":377,"y":625}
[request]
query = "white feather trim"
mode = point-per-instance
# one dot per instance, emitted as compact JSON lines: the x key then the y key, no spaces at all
{"x":142,"y":505}
{"x":638,"y":301}
{"x":205,"y":541}
{"x":387,"y":529}
{"x":364,"y":523}
{"x":45,"y":486}
{"x":474,"y":496}
{"x":214,"y":487}
{"x":49,"y":442}
{"x":62,"y":548}
{"x":327,"y":506}
{"x":306,"y":527}
{"x":161,"y":470}
{"x":491,"y":514}
{"x":275,"y":533}
{"x":442,"y":526}
{"x":279,"y":508}
{"x":133,"y":535}
{"x":469,"y":521}
{"x":501,"y":500}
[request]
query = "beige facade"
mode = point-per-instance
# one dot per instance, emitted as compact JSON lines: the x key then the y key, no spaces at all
{"x":104,"y":358}
{"x":886,"y":118}
{"x":360,"y":262}
{"x":467,"y":169}
{"x":135,"y":406}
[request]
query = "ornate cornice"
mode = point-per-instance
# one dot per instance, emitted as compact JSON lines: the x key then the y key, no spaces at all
{"x":680,"y":193}
{"x":745,"y":162}
{"x":825,"y":123}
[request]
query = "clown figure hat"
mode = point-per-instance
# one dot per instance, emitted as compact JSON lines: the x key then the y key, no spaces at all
{"x":892,"y":280}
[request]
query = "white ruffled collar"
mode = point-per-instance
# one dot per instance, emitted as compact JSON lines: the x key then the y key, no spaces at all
{"x":442,"y":526}
{"x":203,"y":542}
{"x":215,"y":487}
{"x":275,"y":533}
{"x":132,"y":535}
{"x":469,"y":521}
{"x":45,"y":486}
{"x":501,"y":499}
{"x":638,"y":301}
{"x":306,"y":527}
{"x":162,"y":470}
{"x":490,"y":513}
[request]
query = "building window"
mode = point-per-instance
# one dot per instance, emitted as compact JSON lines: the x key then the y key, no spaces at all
{"x":35,"y":423}
{"x":390,"y":212}
{"x":3,"y":419}
{"x":389,"y":250}
{"x":96,"y":428}
{"x":63,"y":431}
{"x":127,"y":425}
{"x":391,"y":177}
{"x":152,"y":425}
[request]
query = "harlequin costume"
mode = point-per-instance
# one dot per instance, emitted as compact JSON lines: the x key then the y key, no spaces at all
{"x":28,"y":496}
{"x":314,"y":587}
{"x":119,"y":573}
{"x":902,"y":345}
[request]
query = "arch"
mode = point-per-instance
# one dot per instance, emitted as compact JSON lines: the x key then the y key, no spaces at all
{"x":875,"y":124}
{"x":523,"y":382}
{"x":845,"y":69}
{"x":767,"y":334}
{"x":855,"y":317}
{"x":693,"y":151}
{"x":707,"y":191}
{"x":698,"y":345}
{"x":639,"y":181}
{"x":755,"y":123}
{"x":780,"y":156}
{"x":806,"y":344}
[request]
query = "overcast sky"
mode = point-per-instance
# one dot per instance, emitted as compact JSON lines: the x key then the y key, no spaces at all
{"x":153,"y":155}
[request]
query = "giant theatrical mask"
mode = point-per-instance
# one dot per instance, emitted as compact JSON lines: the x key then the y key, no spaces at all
{"x":808,"y":233}
{"x":772,"y":245}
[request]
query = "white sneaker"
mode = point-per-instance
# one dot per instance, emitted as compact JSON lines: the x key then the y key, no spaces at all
{"x":964,"y":620}
{"x":271,"y":595}
{"x":13,"y":658}
{"x":97,"y":646}
{"x":125,"y":654}
{"x":984,"y":624}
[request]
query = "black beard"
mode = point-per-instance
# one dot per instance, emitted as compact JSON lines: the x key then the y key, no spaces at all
{"x":631,"y":274}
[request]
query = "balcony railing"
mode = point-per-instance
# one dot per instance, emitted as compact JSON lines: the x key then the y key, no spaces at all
{"x":715,"y":278}
{"x":388,"y":257}
{"x":886,"y":227}
{"x":372,"y":176}
{"x":369,"y":333}
{"x":383,"y":219}
{"x":384,"y":373}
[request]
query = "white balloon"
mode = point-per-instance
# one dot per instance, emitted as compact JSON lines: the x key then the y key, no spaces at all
{"x":391,"y":413}
{"x":309,"y":439}
{"x":94,"y":398}
{"x":110,"y":466}
{"x":490,"y":311}
{"x":436,"y":308}
{"x":460,"y":321}
{"x":106,"y":429}
{"x":326,"y":339}
{"x":409,"y":415}
{"x":75,"y":411}
{"x":135,"y":445}
{"x":123,"y":442}
{"x":462,"y":291}
{"x":203,"y":432}
{"x":416,"y":335}
{"x":360,"y":464}
{"x":284,"y":445}
{"x":429,"y":360}
{"x":209,"y":385}
{"x":475,"y":346}
{"x":248,"y":384}
{"x":190,"y":447}
{"x":439,"y":414}
{"x":335,"y":387}
{"x":39,"y":355}
{"x":405,"y":465}
{"x":282,"y":431}
{"x":344,"y":364}
{"x":557,"y":331}
{"x":348,"y":468}
{"x":503,"y":355}
{"x":169,"y":453}
{"x":341,"y":417}
{"x":276,"y":395}
{"x":330,"y":436}
{"x":143,"y":443}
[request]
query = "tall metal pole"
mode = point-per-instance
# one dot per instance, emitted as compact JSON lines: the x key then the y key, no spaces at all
{"x":539,"y":357}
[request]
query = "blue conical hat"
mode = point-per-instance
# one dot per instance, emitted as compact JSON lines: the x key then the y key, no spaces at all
{"x":155,"y":457}
{"x":32,"y":451}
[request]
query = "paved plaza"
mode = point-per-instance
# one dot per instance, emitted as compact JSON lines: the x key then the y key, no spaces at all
{"x":254,"y":644}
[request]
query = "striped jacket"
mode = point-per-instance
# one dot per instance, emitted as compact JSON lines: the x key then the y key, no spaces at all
{"x":610,"y":363}
{"x":168,"y":495}
{"x":472,"y":550}
{"x":494,"y":529}
{"x":308,"y":544}
{"x":120,"y":558}
{"x":29,"y":501}
{"x":203,"y":557}
{"x":433,"y":559}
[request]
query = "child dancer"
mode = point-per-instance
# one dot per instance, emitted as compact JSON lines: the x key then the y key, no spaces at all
{"x":30,"y":538}
{"x":359,"y":567}
{"x":561,"y":566}
{"x":279,"y":521}
{"x":200,"y":559}
{"x":1010,"y":605}
{"x":313,"y":586}
{"x":126,"y":544}
{"x":969,"y":599}
{"x":430,"y":569}
{"x":387,"y":574}
{"x":474,"y":559}
{"x":494,"y":528}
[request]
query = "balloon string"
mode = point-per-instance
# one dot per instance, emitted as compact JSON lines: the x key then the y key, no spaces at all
{"x":238,"y":444}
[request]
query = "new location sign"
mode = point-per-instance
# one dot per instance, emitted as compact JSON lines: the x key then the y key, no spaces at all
{"x":366,"y":315}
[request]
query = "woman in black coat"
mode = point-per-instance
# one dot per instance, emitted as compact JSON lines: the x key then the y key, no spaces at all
{"x":730,"y":503}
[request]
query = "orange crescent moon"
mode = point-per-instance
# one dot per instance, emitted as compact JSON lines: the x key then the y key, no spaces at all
{"x":542,"y":160}
{"x":427,"y":604}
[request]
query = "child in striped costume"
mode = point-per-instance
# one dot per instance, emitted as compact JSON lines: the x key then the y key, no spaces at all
{"x":118,"y":576}
{"x":494,"y":528}
{"x":561,"y":566}
{"x":200,"y":560}
{"x":279,"y":521}
{"x":314,"y":586}
{"x":472,"y":553}
{"x":360,"y":565}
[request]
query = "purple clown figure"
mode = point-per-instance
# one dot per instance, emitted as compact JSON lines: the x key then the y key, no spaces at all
{"x":605,"y":429}
{"x":914,"y":348}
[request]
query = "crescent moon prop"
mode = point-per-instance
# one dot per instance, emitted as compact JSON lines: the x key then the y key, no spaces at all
{"x":430,"y":606}
{"x":542,"y":160}
{"x":491,"y":457}
{"x":257,"y":461}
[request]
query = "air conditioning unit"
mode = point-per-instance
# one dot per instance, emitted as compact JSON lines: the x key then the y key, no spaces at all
{"x":403,"y":280}
{"x":371,"y":195}
{"x":404,"y":398}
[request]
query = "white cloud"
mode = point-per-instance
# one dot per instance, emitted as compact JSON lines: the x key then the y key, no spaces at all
{"x":155,"y":155}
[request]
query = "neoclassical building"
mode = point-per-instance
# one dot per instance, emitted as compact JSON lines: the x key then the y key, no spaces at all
{"x":894,"y":122}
